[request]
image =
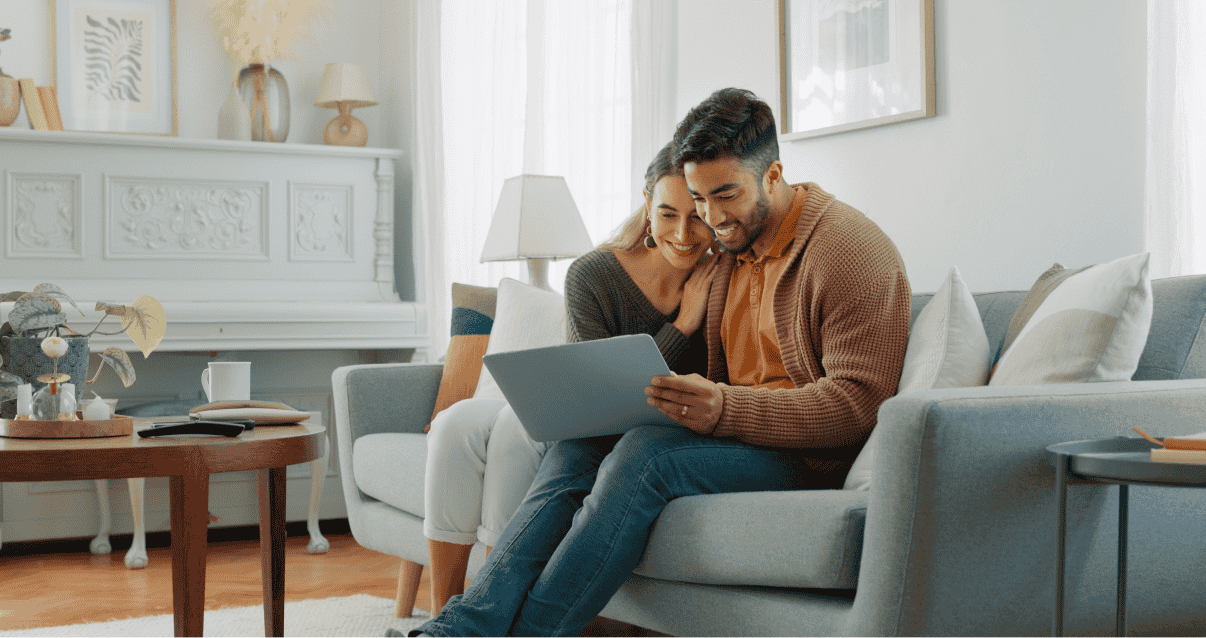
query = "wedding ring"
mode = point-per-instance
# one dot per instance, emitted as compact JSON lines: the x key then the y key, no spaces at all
{"x":684,"y":410}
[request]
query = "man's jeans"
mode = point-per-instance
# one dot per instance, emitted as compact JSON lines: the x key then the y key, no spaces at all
{"x":583,"y":526}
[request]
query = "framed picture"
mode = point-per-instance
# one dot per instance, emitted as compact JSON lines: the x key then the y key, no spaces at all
{"x":114,"y":64}
{"x":852,"y":64}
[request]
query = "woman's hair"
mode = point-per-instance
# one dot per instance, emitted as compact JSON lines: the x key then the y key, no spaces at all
{"x":633,"y":231}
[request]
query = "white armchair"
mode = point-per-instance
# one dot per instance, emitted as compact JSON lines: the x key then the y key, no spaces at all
{"x":382,"y":456}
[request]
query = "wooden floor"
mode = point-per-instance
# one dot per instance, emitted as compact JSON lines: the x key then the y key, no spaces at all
{"x":43,"y":586}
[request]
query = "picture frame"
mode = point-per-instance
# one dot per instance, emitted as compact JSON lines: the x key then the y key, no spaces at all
{"x":853,"y":64}
{"x":113,"y":63}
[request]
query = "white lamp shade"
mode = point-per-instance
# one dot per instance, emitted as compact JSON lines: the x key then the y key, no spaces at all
{"x":344,"y":82}
{"x":535,"y":218}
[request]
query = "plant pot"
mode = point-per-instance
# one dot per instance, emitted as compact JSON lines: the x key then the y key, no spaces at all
{"x":23,"y":357}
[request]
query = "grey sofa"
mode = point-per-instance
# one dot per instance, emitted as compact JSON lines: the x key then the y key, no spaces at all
{"x":955,"y":537}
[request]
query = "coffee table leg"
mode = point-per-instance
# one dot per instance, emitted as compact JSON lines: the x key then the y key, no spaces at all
{"x":190,"y":504}
{"x":1061,"y":532}
{"x":272,"y":548}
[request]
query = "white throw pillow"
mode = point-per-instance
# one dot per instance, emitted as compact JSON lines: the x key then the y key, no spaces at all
{"x":948,"y":348}
{"x":526,"y":317}
{"x":1093,"y":327}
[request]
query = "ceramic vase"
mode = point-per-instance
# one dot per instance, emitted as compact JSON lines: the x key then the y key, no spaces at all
{"x":234,"y":120}
{"x":266,"y":95}
{"x":10,"y":100}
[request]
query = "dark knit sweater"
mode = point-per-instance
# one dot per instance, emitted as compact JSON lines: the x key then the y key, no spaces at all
{"x":602,"y":301}
{"x":842,"y":317}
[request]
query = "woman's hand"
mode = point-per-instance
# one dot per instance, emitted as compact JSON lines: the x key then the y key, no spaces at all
{"x":695,"y":296}
{"x":692,"y":400}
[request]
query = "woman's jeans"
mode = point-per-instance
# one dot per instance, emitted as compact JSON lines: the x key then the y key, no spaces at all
{"x":583,"y":526}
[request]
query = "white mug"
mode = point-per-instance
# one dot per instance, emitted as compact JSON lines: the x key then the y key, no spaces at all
{"x":227,"y":381}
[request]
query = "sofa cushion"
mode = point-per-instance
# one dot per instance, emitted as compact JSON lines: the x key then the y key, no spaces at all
{"x":472,"y":319}
{"x":526,"y":317}
{"x":389,"y":467}
{"x":1176,"y":345}
{"x":808,"y":538}
{"x":947,"y":349}
{"x":1090,"y":328}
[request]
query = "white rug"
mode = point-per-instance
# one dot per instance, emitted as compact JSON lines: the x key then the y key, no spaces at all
{"x":359,"y":615}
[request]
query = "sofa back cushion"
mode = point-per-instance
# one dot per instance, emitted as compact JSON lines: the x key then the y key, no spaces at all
{"x":1176,"y":343}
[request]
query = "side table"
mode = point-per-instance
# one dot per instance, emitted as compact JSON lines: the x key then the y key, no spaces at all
{"x":188,"y":464}
{"x":136,"y":556}
{"x":1121,"y":461}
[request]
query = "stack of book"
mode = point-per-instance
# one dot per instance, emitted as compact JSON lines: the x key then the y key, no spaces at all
{"x":1182,"y":449}
{"x":41,"y":105}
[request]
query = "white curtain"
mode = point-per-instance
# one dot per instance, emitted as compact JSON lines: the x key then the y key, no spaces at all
{"x":530,"y":86}
{"x":1175,"y":184}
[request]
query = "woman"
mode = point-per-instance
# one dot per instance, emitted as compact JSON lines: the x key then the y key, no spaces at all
{"x":652,"y":277}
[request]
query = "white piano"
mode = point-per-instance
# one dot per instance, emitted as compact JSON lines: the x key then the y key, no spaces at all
{"x":278,"y":254}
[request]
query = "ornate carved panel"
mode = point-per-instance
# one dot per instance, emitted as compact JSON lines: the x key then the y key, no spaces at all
{"x":190,"y":219}
{"x":46,"y":217}
{"x":320,"y":222}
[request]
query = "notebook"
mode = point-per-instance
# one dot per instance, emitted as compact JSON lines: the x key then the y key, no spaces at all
{"x":576,"y":390}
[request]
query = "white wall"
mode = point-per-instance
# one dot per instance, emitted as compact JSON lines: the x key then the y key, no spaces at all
{"x":1036,"y":154}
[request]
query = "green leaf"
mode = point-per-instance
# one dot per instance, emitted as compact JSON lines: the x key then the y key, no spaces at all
{"x":53,"y":291}
{"x":121,"y":364}
{"x":35,"y":311}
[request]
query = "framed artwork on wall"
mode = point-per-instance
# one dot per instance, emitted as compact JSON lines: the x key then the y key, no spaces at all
{"x":114,"y":64}
{"x":852,"y":64}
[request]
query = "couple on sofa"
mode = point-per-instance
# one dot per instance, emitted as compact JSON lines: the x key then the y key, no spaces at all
{"x":799,"y":323}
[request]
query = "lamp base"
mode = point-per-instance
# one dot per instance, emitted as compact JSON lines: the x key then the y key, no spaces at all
{"x":538,"y":272}
{"x":345,"y":130}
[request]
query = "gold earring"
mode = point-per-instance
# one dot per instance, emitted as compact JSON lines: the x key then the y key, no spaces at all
{"x":649,"y":243}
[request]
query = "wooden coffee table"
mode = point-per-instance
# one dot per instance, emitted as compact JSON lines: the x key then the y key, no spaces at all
{"x":187,"y":462}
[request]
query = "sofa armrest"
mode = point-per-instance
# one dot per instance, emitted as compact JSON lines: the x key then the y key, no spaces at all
{"x":394,"y":397}
{"x":374,"y":398}
{"x":960,"y":532}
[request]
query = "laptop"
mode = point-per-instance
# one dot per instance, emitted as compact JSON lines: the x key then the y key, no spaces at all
{"x":583,"y":389}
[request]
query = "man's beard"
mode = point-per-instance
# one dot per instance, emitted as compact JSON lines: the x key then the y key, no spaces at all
{"x":757,"y":220}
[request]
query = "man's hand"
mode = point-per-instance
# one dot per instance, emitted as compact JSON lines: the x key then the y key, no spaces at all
{"x":702,"y":400}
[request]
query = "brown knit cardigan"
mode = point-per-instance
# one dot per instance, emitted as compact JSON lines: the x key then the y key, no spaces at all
{"x":842,"y":314}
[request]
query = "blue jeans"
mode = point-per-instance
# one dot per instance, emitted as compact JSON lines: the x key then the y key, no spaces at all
{"x":583,"y":526}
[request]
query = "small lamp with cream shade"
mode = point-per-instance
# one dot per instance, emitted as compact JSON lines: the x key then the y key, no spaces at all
{"x":536,"y":220}
{"x":344,"y":87}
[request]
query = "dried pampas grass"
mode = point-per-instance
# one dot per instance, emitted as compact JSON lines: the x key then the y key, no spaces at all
{"x":258,"y":31}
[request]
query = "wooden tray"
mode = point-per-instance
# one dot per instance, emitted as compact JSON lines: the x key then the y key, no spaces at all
{"x":25,"y":429}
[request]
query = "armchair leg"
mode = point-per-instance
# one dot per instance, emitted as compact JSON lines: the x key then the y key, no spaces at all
{"x":408,"y":588}
{"x":449,"y":562}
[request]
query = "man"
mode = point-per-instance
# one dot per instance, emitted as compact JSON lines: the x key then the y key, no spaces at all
{"x":807,"y":325}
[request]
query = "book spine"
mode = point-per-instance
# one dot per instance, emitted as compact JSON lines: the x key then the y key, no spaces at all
{"x":50,"y":105}
{"x":33,"y":105}
{"x":1165,"y":455}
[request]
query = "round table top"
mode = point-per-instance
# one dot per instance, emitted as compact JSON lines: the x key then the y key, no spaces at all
{"x":132,"y":456}
{"x":1125,"y":460}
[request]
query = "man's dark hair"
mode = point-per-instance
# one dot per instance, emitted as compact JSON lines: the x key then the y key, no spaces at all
{"x":730,"y":123}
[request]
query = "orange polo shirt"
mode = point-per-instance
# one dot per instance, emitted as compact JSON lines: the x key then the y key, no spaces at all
{"x":747,"y":330}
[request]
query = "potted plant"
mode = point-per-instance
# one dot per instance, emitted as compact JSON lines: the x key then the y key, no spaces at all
{"x":39,"y":314}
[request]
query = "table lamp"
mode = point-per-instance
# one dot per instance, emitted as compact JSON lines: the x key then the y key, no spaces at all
{"x":536,"y":220}
{"x":344,"y":87}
